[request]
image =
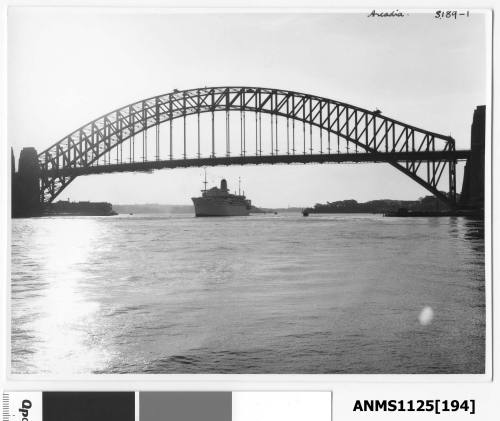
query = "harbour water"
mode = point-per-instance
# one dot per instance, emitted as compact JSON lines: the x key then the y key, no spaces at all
{"x":258,"y":294}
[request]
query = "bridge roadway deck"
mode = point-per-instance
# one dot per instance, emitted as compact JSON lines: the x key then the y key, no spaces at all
{"x":142,"y":166}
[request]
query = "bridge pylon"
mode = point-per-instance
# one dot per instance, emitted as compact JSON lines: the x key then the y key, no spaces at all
{"x":472,"y":196}
{"x":26,"y":184}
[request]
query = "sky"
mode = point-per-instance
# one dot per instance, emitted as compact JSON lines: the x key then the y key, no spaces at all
{"x":68,"y":66}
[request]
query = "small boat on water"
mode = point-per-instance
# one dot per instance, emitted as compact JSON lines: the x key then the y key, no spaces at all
{"x":218,"y":201}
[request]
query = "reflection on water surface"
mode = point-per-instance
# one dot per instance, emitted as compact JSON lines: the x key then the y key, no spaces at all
{"x":262,"y":294}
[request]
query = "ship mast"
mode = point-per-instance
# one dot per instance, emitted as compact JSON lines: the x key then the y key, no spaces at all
{"x":205,"y":182}
{"x":239,"y":186}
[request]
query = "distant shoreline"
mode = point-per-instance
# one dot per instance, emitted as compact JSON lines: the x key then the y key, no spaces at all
{"x":381,"y":206}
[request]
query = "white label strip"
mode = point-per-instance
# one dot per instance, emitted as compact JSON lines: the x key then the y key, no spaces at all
{"x":22,"y":406}
{"x":282,"y":406}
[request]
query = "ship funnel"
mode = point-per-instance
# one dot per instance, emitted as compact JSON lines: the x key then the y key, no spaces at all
{"x":223,"y":184}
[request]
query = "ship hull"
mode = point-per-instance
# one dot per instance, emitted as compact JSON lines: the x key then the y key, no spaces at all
{"x":219,"y":207}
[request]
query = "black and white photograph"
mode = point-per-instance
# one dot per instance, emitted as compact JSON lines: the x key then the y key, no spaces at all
{"x":248,"y":191}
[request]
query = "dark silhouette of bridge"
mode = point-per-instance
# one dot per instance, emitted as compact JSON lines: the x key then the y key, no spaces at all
{"x":258,"y":126}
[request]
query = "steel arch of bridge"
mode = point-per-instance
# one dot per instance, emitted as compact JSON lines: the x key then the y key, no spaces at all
{"x":420,"y":154}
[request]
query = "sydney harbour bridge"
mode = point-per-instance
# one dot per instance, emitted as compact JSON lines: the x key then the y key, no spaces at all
{"x":248,"y":125}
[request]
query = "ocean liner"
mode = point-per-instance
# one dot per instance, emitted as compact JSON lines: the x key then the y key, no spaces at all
{"x":219,"y":202}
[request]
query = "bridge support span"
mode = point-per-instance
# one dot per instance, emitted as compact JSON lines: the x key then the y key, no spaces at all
{"x":260,"y":160}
